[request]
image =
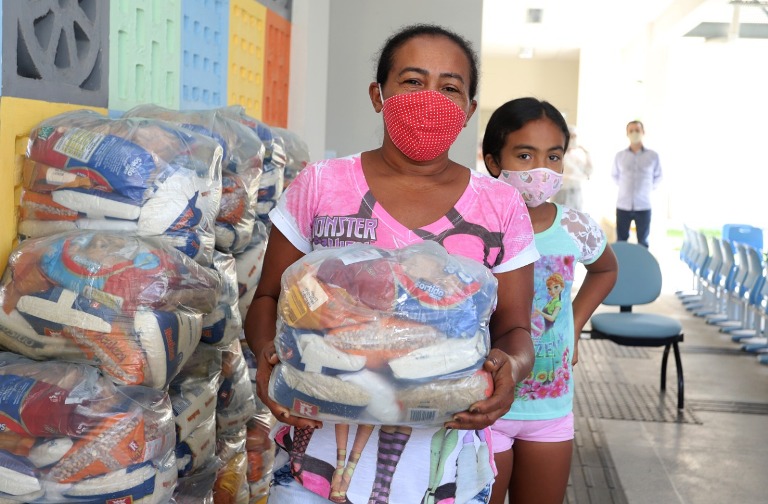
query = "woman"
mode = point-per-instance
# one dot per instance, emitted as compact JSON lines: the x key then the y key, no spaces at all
{"x":404,"y":192}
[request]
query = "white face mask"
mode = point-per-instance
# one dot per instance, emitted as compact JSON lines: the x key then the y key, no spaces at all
{"x":635,"y":137}
{"x":536,"y":186}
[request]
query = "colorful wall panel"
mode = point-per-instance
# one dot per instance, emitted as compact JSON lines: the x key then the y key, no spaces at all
{"x":144,"y":52}
{"x":276,"y":70}
{"x":245,"y":78}
{"x":204,"y":51}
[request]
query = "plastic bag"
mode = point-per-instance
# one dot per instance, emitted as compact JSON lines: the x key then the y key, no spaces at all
{"x":120,"y":302}
{"x":272,"y":180}
{"x":242,"y":164}
{"x":383,"y":336}
{"x":236,"y":403}
{"x":224,"y":324}
{"x":296,"y":150}
{"x":87,"y":171}
{"x":71,"y":435}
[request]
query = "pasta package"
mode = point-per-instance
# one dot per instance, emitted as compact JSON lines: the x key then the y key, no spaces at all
{"x":367,"y":335}
{"x":71,"y":435}
{"x":119,"y":302}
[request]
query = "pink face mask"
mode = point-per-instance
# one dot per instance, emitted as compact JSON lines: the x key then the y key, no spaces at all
{"x":536,"y":186}
{"x":423,"y":124}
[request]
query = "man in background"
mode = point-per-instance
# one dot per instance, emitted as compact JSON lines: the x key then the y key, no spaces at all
{"x":637,"y":172}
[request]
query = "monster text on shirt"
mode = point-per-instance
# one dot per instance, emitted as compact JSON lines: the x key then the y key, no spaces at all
{"x":343,"y":230}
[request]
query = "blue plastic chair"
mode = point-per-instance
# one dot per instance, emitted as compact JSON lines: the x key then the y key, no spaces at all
{"x":700,"y":268}
{"x":744,"y":233}
{"x":739,"y":284}
{"x":638,"y":283}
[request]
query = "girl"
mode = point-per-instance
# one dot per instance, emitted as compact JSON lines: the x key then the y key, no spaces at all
{"x":524,"y":143}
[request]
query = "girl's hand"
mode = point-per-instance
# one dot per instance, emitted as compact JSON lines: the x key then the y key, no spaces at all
{"x":484,"y":413}
{"x":267,"y":360}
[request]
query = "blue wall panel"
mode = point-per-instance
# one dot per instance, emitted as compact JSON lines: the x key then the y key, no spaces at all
{"x":204,"y":39}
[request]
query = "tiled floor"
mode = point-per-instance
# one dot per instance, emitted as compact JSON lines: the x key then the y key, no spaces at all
{"x":632,"y":447}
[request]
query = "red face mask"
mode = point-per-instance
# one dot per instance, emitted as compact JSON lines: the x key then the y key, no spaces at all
{"x":423,"y":124}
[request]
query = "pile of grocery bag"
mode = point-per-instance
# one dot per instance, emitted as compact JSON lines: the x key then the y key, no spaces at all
{"x":124,"y":375}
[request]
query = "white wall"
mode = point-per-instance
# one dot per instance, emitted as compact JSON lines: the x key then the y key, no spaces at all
{"x":715,"y":132}
{"x":308,"y":87}
{"x":505,"y":78}
{"x":358,"y":29}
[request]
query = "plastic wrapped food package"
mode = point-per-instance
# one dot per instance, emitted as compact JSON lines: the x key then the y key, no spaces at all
{"x":231,"y":485}
{"x":196,"y":488}
{"x":236,"y":403}
{"x":194,"y":390}
{"x":259,"y":445}
{"x":391,"y":337}
{"x":71,"y":435}
{"x":224,"y":324}
{"x":275,"y":159}
{"x":242,"y":164}
{"x":296,"y":150}
{"x":260,"y":450}
{"x":248,"y":266}
{"x":87,"y":171}
{"x":122,"y":303}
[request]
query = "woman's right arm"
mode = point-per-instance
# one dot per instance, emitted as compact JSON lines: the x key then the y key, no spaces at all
{"x":261,"y":320}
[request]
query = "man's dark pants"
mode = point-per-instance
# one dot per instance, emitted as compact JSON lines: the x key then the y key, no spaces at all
{"x":642,"y":220}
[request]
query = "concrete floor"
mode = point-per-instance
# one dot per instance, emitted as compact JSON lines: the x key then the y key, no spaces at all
{"x":722,"y":456}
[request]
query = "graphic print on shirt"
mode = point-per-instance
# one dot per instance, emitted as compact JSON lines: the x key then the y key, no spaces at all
{"x":553,"y":278}
{"x":342,"y":230}
{"x":361,"y":227}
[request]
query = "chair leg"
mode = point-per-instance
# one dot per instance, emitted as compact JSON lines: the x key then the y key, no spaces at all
{"x":680,"y":381}
{"x":664,"y":368}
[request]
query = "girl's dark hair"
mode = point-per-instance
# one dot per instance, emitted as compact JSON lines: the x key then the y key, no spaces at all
{"x":393,"y":43}
{"x":514,"y":115}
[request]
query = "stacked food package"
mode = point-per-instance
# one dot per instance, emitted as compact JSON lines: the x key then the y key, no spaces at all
{"x":122,"y":358}
{"x":123,"y":303}
{"x":71,"y":435}
{"x":142,"y":176}
{"x":242,"y":160}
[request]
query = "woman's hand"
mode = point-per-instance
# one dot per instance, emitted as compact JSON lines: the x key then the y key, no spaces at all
{"x":260,"y":322}
{"x":484,"y":413}
{"x":267,"y":360}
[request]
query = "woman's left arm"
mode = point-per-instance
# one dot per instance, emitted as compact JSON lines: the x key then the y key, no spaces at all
{"x":511,"y":357}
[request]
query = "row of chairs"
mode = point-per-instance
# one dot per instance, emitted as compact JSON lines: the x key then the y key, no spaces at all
{"x":730,"y":284}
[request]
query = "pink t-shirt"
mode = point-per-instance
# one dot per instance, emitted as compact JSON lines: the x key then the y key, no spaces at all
{"x":330,"y":205}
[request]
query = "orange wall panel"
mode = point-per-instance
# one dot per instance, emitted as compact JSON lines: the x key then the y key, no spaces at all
{"x":276,"y":70}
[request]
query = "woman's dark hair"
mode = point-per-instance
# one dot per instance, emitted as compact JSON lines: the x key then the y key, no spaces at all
{"x":514,"y":115}
{"x":394,"y":42}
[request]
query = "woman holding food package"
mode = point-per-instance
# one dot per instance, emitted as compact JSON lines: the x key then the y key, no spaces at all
{"x":405,"y":193}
